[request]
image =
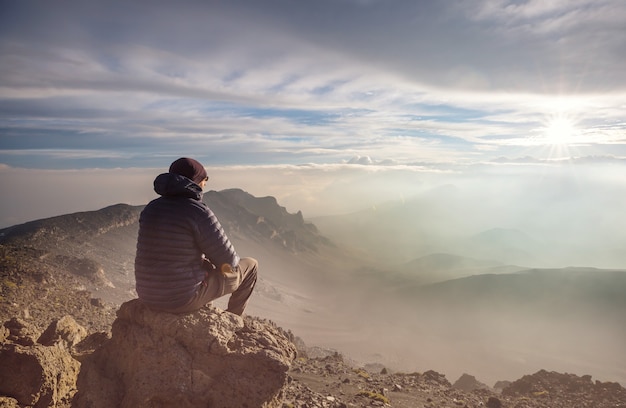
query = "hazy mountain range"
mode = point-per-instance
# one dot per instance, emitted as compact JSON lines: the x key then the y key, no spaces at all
{"x":539,"y":231}
{"x":391,"y":284}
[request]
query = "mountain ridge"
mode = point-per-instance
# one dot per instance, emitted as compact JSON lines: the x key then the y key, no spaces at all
{"x":73,"y":225}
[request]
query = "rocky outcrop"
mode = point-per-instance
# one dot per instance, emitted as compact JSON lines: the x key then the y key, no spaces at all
{"x":207,"y":358}
{"x":468,"y":382}
{"x":567,"y":390}
{"x":38,"y":370}
{"x":64,"y":331}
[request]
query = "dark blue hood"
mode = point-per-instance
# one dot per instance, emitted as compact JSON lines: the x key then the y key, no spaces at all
{"x":174,"y":185}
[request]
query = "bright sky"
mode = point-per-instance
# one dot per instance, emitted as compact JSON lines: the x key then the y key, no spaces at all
{"x":428,"y":85}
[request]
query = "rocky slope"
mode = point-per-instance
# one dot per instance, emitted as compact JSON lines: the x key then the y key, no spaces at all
{"x":339,"y":384}
{"x":211,"y":356}
{"x":37,"y":290}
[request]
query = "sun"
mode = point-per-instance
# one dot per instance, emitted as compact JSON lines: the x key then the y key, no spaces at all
{"x":560,"y":130}
{"x":560,"y":135}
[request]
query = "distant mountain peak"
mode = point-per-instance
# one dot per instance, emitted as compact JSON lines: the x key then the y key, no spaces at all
{"x":240,"y":211}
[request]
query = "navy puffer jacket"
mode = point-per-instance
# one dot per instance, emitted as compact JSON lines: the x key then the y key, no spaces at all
{"x":176,"y":231}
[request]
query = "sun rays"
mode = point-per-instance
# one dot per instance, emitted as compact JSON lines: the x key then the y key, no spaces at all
{"x":558,"y":136}
{"x":560,"y":130}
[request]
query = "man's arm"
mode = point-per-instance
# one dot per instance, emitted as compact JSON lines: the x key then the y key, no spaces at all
{"x":214,"y":243}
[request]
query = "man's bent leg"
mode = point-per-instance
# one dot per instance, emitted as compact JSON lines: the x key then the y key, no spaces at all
{"x":247,"y":271}
{"x":240,"y":282}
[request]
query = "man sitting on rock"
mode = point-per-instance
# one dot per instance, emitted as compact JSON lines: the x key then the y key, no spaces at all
{"x":184,"y":259}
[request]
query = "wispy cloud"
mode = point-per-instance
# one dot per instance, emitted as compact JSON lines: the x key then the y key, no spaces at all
{"x":296,"y":83}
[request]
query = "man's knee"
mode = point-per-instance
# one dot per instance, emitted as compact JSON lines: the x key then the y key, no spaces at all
{"x":248,"y":264}
{"x":248,"y":268}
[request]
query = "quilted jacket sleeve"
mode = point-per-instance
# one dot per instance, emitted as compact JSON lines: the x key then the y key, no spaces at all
{"x":213,"y":242}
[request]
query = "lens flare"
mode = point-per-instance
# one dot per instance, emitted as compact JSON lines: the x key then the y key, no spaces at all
{"x":560,"y":130}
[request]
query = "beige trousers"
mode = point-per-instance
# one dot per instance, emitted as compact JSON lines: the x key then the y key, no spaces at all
{"x":239,"y":283}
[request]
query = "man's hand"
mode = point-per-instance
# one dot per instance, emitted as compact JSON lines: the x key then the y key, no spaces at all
{"x":226,"y":268}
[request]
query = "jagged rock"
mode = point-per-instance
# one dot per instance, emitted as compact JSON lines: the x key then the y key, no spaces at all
{"x":207,"y":358}
{"x":4,"y":334}
{"x":433,"y":377}
{"x":374,"y":367}
{"x":8,"y":402}
{"x":469,"y":383}
{"x":37,"y":375}
{"x":20,"y":332}
{"x":97,"y":302}
{"x":89,"y":344}
{"x":64,"y":331}
{"x":494,"y":402}
{"x":500,"y":385}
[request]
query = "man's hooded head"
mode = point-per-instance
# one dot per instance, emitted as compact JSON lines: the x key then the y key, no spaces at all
{"x":190,"y":168}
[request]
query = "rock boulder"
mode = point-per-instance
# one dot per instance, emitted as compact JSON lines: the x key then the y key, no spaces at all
{"x":35,"y":374}
{"x":207,"y":358}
